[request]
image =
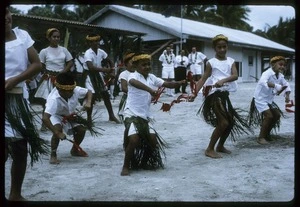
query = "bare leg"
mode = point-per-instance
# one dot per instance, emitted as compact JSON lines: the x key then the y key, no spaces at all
{"x":90,"y":110}
{"x":18,"y":169}
{"x":54,"y":145}
{"x":220,"y":147}
{"x":265,"y":127}
{"x":108,"y":106}
{"x":210,"y":152}
{"x":129,"y":150}
{"x":79,"y":133}
{"x":218,"y":131}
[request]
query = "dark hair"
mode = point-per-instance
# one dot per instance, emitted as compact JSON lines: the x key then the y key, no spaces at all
{"x":65,"y":78}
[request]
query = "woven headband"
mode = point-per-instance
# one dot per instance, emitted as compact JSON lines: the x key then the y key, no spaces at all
{"x":93,"y":38}
{"x":277,"y":58}
{"x":128,"y":56}
{"x":51,"y":30}
{"x":141,"y":57}
{"x":220,"y":37}
{"x":65,"y":87}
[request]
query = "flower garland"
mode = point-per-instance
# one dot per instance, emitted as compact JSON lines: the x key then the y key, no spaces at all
{"x":166,"y":57}
{"x":196,"y":54}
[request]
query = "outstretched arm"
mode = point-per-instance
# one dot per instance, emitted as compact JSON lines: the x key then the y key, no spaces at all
{"x":142,"y":86}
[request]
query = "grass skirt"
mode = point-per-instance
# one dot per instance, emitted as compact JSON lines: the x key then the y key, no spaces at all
{"x":237,"y":121}
{"x":122,"y":106}
{"x":98,"y":84}
{"x":18,"y":115}
{"x":255,"y":118}
{"x":145,"y":156}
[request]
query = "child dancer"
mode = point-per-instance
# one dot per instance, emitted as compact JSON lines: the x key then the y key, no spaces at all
{"x":142,"y":144}
{"x":60,"y":105}
{"x":264,"y":112}
{"x":220,"y":79}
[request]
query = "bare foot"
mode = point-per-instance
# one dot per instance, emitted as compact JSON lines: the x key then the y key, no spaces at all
{"x":125,"y":171}
{"x":212,"y":154}
{"x":54,"y":160}
{"x":223,"y":150}
{"x":262,"y":141}
{"x":77,"y":153}
{"x":114,"y":119}
{"x":16,"y":198}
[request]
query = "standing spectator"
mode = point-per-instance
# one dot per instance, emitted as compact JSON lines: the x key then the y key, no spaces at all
{"x":93,"y":73}
{"x":220,"y":79}
{"x":270,"y":84}
{"x":142,"y":144}
{"x":181,"y":63}
{"x":55,"y":59}
{"x":21,"y":63}
{"x":167,"y":59}
{"x":196,"y":60}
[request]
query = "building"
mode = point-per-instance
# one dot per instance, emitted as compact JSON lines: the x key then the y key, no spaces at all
{"x":250,"y":51}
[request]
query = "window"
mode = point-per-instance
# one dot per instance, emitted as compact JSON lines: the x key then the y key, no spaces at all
{"x":239,"y":68}
{"x":250,"y":60}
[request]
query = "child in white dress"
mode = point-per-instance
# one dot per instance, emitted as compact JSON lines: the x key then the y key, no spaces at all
{"x":219,"y":79}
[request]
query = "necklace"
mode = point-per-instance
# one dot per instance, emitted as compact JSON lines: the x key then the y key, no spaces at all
{"x":166,"y":56}
{"x":195,"y":58}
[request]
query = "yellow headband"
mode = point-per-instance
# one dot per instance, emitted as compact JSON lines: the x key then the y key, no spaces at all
{"x":93,"y":38}
{"x":51,"y":30}
{"x":219,"y":37}
{"x":128,"y":57}
{"x":277,"y":58}
{"x":141,"y":57}
{"x":65,"y":87}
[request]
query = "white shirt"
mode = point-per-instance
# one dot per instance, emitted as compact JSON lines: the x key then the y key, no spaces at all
{"x":138,"y":101}
{"x":56,"y":105}
{"x":96,"y":59}
{"x":167,"y":59}
{"x":55,"y":58}
{"x":16,"y":57}
{"x":263,"y":94}
{"x":78,"y":62}
{"x":124,"y":75}
{"x":178,"y":60}
{"x":196,"y":58}
{"x":221,"y":69}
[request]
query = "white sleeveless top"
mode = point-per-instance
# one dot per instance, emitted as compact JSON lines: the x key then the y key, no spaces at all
{"x":16,"y":56}
{"x":221,"y":69}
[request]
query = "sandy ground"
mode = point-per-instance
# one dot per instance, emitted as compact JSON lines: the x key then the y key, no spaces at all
{"x":252,"y":173}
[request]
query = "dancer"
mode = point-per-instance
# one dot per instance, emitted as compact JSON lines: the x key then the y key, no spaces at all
{"x":60,"y":106}
{"x":264,"y":112}
{"x":21,"y":63}
{"x":142,"y":144}
{"x":123,"y":79}
{"x":93,"y":70}
{"x":55,"y":59}
{"x":220,"y":79}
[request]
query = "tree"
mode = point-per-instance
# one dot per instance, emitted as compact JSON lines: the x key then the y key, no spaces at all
{"x":232,"y":16}
{"x":283,"y":32}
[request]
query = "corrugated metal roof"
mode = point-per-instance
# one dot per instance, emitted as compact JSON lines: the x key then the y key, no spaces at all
{"x":172,"y":25}
{"x":75,"y":23}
